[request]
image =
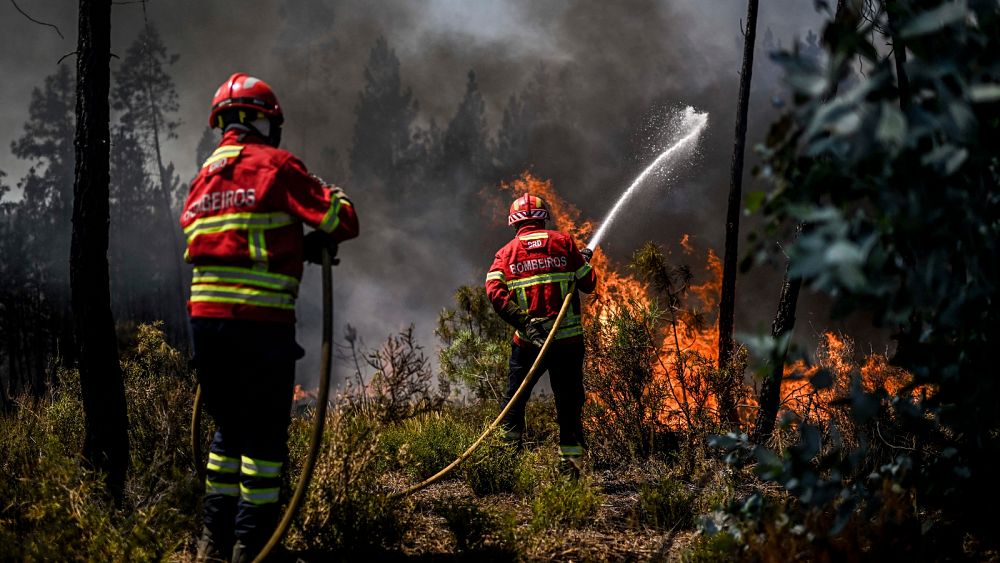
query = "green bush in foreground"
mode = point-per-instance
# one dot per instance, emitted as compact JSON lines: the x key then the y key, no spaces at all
{"x":493,"y":468}
{"x":666,"y":504}
{"x":424,"y":444}
{"x":53,"y":508}
{"x":564,"y":503}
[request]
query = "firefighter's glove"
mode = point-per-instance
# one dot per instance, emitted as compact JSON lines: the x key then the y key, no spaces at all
{"x":538,"y":330}
{"x":314,"y":244}
{"x":514,"y":315}
{"x":337,"y":193}
{"x":587,"y":254}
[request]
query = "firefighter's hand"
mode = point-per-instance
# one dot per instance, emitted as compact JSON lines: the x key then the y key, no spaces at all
{"x":314,"y":244}
{"x":587,"y":254}
{"x":537,"y":330}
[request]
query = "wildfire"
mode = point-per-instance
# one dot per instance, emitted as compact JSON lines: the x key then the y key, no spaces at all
{"x":687,"y":353}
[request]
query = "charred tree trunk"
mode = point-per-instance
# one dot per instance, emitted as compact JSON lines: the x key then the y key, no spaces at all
{"x":106,"y":420}
{"x":727,"y":303}
{"x":784,"y":321}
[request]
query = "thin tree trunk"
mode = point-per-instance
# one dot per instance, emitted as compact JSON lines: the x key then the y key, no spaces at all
{"x":727,"y":303}
{"x":784,"y":321}
{"x":177,"y":254}
{"x":106,"y":420}
{"x":898,"y":54}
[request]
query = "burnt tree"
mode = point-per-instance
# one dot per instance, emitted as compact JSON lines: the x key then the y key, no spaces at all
{"x":106,"y":420}
{"x":727,"y":302}
{"x":769,"y":399}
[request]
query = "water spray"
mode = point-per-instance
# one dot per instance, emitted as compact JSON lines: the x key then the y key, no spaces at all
{"x":692,"y":124}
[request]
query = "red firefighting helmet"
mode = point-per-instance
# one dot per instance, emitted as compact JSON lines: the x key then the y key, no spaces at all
{"x":527,"y":208}
{"x":244,"y":91}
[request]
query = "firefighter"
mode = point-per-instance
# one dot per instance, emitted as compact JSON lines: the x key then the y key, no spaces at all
{"x":243,"y":221}
{"x":527,"y":284}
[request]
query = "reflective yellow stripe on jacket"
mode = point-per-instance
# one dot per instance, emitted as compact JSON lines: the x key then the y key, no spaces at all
{"x":212,"y":293}
{"x":237,"y":221}
{"x":331,"y":220}
{"x":223,"y":152}
{"x":245,"y":276}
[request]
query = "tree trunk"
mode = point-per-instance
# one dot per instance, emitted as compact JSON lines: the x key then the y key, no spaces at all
{"x":106,"y":420}
{"x":727,"y":303}
{"x":898,"y":54}
{"x":784,"y":321}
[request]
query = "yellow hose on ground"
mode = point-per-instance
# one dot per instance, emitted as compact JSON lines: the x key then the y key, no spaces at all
{"x":517,"y":395}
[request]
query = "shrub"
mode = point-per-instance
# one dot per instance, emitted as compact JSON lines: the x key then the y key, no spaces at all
{"x":476,"y":344}
{"x":346,"y":511}
{"x":424,"y":444}
{"x":710,"y":548}
{"x":490,"y":536}
{"x":52,"y":507}
{"x":666,"y":504}
{"x":493,"y":468}
{"x":564,"y":503}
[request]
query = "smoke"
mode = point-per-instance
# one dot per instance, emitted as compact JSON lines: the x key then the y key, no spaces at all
{"x":610,"y":69}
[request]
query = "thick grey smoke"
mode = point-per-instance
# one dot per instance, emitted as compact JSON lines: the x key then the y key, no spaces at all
{"x":615,"y":67}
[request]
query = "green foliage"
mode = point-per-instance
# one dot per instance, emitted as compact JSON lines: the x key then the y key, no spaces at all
{"x":493,"y":468}
{"x":346,"y":510}
{"x":626,"y":396}
{"x":710,"y":548}
{"x":475,"y":344}
{"x":897,"y":189}
{"x":55,"y":508}
{"x":424,"y":444}
{"x":487,"y":534}
{"x":564,"y":503}
{"x":666,"y":504}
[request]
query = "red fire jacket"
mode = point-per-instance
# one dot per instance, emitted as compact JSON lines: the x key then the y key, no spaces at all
{"x":536,"y":268}
{"x":243,"y":223}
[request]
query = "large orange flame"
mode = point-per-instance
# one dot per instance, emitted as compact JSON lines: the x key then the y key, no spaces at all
{"x":688,"y":350}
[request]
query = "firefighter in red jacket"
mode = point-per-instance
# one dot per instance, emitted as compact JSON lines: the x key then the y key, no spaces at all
{"x":526,"y":284}
{"x":243,"y":220}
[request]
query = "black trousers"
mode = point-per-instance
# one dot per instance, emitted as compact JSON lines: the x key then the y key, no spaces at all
{"x":247,"y":372}
{"x":564,"y":362}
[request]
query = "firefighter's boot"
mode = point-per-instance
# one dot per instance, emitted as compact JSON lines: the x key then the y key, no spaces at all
{"x":212,"y":548}
{"x":571,"y":461}
{"x":513,"y":439}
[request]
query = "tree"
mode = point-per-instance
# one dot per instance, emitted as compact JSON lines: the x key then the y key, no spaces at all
{"x":385,"y":111}
{"x":466,"y":151}
{"x":902,"y":209}
{"x":784,"y":319}
{"x":727,"y":303}
{"x":146,"y":98}
{"x":106,"y":444}
{"x":35,"y":297}
{"x":523,"y":124}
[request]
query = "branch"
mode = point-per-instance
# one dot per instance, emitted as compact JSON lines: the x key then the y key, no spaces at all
{"x":23,"y":13}
{"x":70,"y":54}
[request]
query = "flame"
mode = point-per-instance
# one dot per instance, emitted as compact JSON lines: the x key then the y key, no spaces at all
{"x":688,"y":350}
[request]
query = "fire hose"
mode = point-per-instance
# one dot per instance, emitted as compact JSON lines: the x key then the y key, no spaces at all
{"x":315,"y":441}
{"x":517,"y":395}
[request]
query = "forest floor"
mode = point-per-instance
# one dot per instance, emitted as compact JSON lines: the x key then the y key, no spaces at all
{"x":612,"y":534}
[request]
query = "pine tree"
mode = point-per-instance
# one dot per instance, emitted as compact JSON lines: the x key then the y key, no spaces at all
{"x":382,"y":145}
{"x":466,"y":157}
{"x":146,"y":98}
